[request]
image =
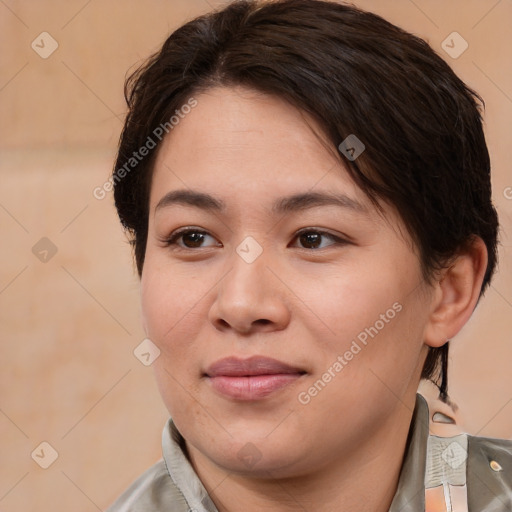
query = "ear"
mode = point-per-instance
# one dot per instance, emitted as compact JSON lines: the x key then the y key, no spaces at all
{"x":456,"y":294}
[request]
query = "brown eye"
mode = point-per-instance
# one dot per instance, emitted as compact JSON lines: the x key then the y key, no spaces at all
{"x":312,"y":239}
{"x":190,"y":239}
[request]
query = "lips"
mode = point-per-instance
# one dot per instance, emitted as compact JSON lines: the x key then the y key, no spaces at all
{"x":256,"y":365}
{"x":250,"y":379}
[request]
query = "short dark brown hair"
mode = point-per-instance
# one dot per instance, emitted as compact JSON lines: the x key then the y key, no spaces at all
{"x":355,"y":73}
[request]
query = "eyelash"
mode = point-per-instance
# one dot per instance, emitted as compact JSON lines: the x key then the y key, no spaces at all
{"x":174,"y":237}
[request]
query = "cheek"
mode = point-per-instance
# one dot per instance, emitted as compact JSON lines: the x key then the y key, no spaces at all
{"x":170,"y":320}
{"x":372,"y":360}
{"x":157,"y":306}
{"x":354,"y":301}
{"x":169,"y":303}
{"x":375,"y":320}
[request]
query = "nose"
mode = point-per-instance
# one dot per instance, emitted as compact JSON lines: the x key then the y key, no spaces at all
{"x":250,"y":298}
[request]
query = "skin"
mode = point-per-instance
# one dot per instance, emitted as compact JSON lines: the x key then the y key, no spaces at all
{"x":296,"y":303}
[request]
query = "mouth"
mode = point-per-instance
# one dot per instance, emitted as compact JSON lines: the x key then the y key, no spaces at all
{"x":251,"y":379}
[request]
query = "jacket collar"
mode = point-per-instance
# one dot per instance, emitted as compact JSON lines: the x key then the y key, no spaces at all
{"x":410,"y":494}
{"x":181,"y":471}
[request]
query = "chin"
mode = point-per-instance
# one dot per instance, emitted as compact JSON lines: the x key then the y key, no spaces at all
{"x":259,"y":457}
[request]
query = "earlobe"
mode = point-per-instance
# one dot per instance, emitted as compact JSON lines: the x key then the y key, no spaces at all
{"x":456,"y":294}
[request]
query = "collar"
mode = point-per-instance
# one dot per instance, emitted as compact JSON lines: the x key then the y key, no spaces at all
{"x":181,"y":471}
{"x":410,"y":494}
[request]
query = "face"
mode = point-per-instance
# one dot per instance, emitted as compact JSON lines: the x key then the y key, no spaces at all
{"x":289,"y":314}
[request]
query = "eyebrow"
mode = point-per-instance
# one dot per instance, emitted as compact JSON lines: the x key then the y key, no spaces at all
{"x":288,"y":204}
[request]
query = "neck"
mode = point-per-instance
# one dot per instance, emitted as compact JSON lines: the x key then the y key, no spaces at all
{"x":364,"y":478}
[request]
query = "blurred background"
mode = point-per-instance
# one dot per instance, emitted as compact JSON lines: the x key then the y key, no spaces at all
{"x":73,"y":396}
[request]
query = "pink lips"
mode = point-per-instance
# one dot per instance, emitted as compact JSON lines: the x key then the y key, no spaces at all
{"x":250,"y":379}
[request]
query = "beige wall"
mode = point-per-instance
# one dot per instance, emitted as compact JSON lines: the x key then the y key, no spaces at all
{"x":68,"y":326}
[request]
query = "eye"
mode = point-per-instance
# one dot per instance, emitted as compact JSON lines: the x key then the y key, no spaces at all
{"x":191,"y":238}
{"x":194,"y":238}
{"x":312,"y":238}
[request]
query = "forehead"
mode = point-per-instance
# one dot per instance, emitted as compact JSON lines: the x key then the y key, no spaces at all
{"x":240,"y":140}
{"x":258,"y":156}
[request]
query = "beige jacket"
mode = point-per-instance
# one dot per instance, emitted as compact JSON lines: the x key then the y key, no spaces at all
{"x":172,"y":485}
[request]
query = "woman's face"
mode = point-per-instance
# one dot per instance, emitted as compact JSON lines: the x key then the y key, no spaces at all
{"x":317,"y":307}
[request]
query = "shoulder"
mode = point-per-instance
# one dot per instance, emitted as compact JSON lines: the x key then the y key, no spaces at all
{"x":497,"y":452}
{"x":492,"y":443}
{"x":489,"y":472}
{"x":153,"y":491}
